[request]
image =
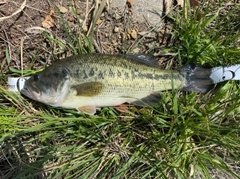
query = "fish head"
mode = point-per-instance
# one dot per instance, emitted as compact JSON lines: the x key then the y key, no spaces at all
{"x":49,"y":86}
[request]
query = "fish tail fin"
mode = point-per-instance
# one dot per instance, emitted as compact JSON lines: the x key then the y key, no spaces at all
{"x":197,"y":79}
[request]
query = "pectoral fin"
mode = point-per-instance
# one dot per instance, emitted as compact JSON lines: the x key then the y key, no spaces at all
{"x":89,"y":89}
{"x":91,"y":110}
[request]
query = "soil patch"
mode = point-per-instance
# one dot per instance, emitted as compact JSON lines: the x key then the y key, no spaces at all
{"x":115,"y":32}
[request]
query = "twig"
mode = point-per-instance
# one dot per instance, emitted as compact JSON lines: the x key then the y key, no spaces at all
{"x":16,"y":12}
{"x":87,"y":12}
{"x":96,"y":15}
{"x":21,"y":59}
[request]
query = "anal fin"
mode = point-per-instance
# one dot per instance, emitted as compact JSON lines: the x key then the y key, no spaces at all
{"x":150,"y":100}
{"x":91,"y":110}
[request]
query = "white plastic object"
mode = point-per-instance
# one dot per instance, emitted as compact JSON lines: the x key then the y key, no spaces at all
{"x":16,"y":83}
{"x":220,"y":74}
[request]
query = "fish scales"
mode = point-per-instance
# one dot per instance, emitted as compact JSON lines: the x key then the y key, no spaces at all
{"x":121,"y":76}
{"x":87,"y":82}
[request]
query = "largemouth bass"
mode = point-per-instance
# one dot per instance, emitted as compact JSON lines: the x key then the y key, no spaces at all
{"x":90,"y":81}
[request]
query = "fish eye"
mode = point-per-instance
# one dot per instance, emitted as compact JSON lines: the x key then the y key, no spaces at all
{"x":35,"y":77}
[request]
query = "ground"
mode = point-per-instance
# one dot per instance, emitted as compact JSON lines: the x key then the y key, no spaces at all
{"x":116,"y":31}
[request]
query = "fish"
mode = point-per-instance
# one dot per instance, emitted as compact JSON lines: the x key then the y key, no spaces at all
{"x":87,"y":82}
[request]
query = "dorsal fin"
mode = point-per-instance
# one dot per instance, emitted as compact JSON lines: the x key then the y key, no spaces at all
{"x":146,"y":59}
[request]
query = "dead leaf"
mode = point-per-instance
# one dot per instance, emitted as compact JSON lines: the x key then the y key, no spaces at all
{"x":180,"y":2}
{"x":167,"y":5}
{"x":122,"y":108}
{"x":51,"y":12}
{"x":133,"y":34}
{"x":136,"y":50}
{"x":194,"y":3}
{"x":129,"y":3}
{"x":62,"y":9}
{"x":71,"y":18}
{"x":116,"y":29}
{"x":98,"y":21}
{"x":49,"y":21}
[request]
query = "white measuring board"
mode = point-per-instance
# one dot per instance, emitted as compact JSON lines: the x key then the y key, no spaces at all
{"x":16,"y":83}
{"x":220,"y":74}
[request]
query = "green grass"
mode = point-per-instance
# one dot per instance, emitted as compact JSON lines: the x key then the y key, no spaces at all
{"x":184,"y":136}
{"x":212,"y":39}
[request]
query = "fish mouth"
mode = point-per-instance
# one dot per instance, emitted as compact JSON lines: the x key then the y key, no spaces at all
{"x":30,"y":93}
{"x":37,"y":96}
